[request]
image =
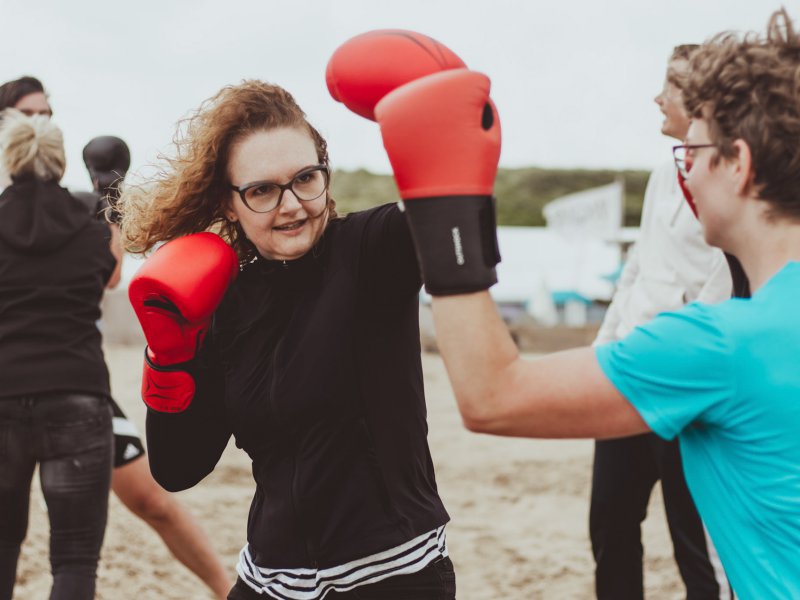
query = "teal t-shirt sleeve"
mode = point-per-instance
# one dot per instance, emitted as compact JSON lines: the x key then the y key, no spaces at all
{"x":676,"y":370}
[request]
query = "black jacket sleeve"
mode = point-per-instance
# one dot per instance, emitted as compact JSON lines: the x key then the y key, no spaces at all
{"x":185,"y":447}
{"x":389,"y":267}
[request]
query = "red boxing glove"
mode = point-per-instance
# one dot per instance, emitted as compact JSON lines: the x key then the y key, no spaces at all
{"x":442,"y":135}
{"x":367,"y":67}
{"x":174,"y":295}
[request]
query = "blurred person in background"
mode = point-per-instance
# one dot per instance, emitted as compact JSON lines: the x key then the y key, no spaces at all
{"x":669,"y":266}
{"x":55,"y":261}
{"x":107,"y":159}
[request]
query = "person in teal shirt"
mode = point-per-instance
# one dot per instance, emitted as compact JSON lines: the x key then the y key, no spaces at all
{"x":725,"y":378}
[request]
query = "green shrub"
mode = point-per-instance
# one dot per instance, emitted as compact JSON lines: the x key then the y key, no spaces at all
{"x":521,"y":193}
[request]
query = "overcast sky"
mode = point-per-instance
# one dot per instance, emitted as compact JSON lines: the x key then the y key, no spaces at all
{"x":573,"y":81}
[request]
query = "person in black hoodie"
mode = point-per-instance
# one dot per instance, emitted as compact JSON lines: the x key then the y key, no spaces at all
{"x":55,"y":262}
{"x":107,"y":159}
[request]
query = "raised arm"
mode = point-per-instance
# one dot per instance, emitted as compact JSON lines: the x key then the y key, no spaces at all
{"x":175,"y":294}
{"x":561,"y":395}
{"x":442,"y":134}
{"x":388,"y":262}
{"x":183,"y":447}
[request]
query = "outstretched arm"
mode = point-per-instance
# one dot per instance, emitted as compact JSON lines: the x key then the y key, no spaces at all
{"x":184,"y":447}
{"x":175,"y":294}
{"x":561,"y":395}
{"x":442,"y":136}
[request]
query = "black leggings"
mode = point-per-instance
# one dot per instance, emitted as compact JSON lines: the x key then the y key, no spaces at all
{"x":625,"y":471}
{"x":69,"y":436}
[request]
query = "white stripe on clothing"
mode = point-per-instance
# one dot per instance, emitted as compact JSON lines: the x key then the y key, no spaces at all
{"x":123,"y":426}
{"x":314,"y":584}
{"x":725,"y":592}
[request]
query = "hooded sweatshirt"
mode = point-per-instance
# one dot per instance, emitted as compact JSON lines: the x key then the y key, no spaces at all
{"x":55,"y":260}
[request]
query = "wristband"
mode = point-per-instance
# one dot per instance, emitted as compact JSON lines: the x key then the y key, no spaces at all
{"x":455,"y":238}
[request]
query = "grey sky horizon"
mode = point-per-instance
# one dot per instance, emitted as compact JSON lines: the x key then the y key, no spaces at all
{"x":573,"y":82}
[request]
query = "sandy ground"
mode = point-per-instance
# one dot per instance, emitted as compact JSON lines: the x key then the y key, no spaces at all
{"x":519,"y":513}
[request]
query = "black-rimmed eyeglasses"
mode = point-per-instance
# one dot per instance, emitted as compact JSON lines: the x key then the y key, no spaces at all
{"x":684,"y":156}
{"x":265,"y":196}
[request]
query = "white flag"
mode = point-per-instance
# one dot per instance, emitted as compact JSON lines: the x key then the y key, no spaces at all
{"x":594,"y":213}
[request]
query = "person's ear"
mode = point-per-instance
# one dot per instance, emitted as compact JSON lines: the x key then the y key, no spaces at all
{"x":742,"y":167}
{"x":229,"y":213}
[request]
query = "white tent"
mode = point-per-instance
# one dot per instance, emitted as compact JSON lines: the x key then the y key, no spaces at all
{"x":539,"y":261}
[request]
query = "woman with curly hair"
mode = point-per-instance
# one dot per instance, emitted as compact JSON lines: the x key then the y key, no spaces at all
{"x":311,"y":362}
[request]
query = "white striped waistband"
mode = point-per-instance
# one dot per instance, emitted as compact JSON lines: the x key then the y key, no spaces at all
{"x":314,"y":584}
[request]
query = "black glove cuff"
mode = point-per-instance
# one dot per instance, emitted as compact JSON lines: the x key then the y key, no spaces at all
{"x":187,"y":366}
{"x":456,"y":242}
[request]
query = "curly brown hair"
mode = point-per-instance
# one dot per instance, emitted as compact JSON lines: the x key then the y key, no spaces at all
{"x":748,"y":88}
{"x":190,"y":193}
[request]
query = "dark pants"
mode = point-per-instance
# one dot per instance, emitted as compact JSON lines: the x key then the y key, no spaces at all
{"x":69,"y":436}
{"x":625,"y":471}
{"x":437,"y":581}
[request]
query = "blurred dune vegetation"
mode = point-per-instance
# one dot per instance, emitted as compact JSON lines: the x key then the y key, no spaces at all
{"x":521,"y":193}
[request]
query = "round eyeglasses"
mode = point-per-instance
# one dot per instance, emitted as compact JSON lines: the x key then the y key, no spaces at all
{"x":684,"y":156}
{"x":265,"y":196}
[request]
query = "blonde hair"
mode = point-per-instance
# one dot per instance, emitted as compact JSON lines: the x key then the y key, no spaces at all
{"x":678,"y":77}
{"x":31,"y":146}
{"x":190,"y":194}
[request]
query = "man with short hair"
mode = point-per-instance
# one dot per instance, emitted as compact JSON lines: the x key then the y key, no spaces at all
{"x":671,"y":265}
